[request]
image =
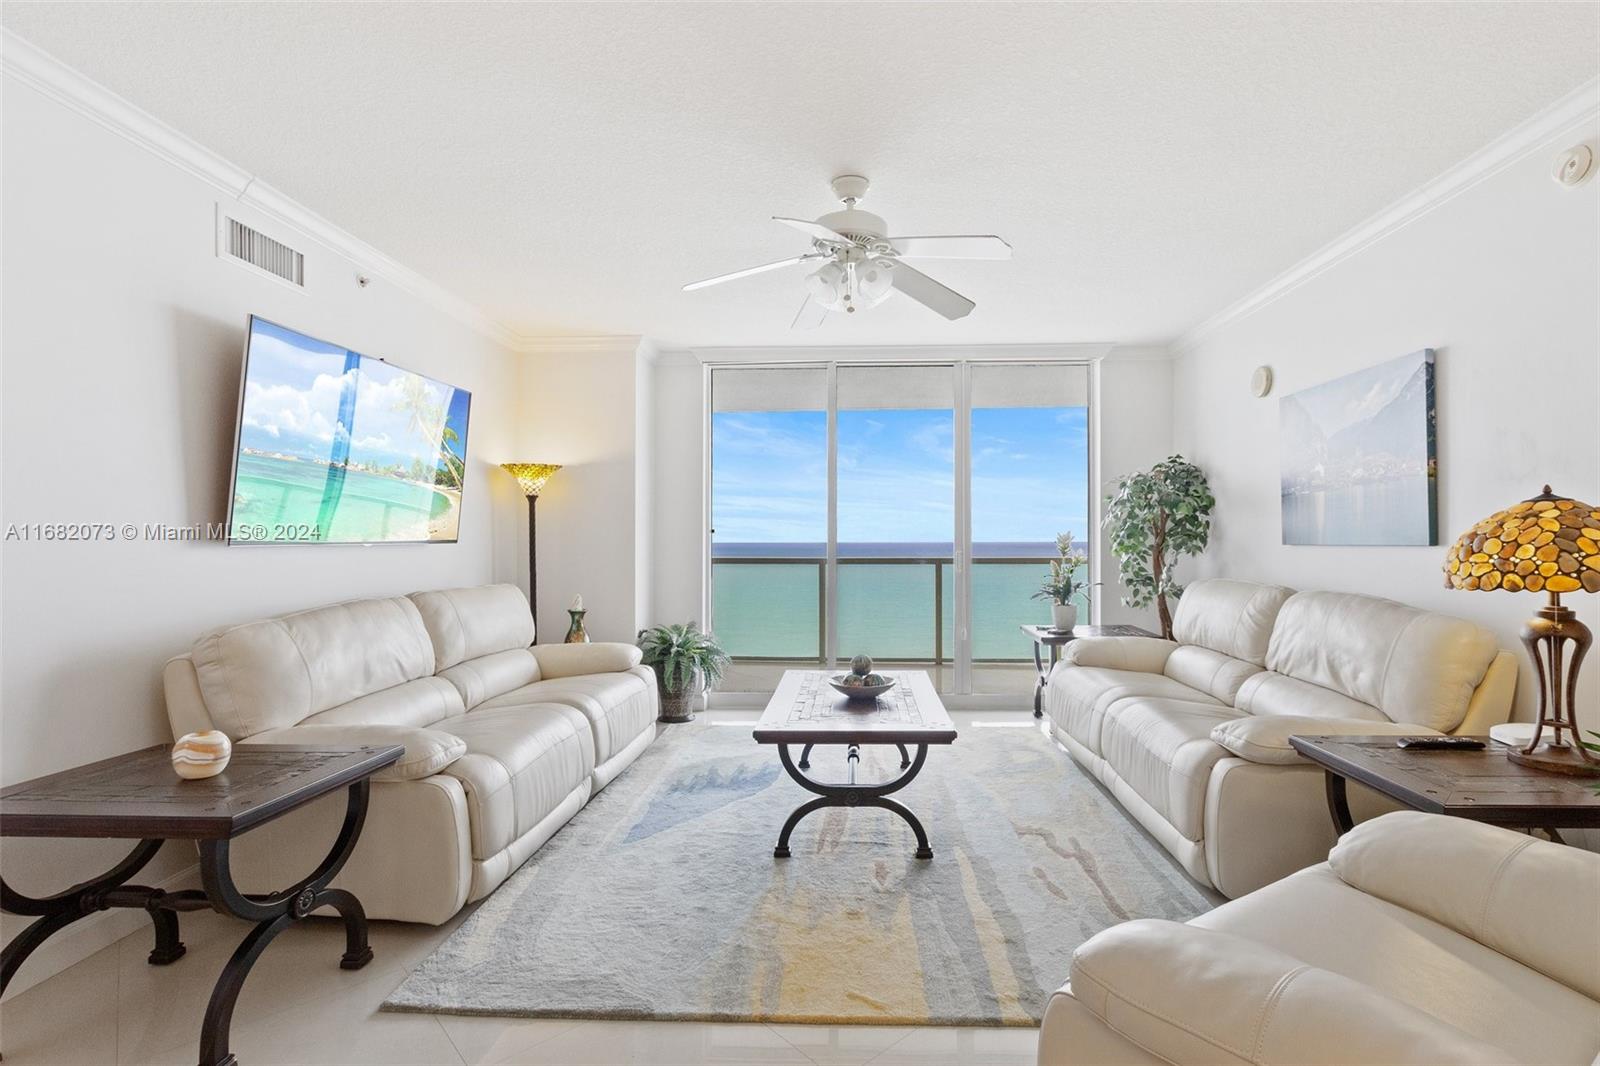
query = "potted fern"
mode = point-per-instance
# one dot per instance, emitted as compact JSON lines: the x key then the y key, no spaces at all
{"x":1061,"y":586}
{"x":686,"y":662}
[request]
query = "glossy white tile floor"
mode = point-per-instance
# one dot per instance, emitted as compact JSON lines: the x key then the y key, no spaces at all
{"x":298,"y":1007}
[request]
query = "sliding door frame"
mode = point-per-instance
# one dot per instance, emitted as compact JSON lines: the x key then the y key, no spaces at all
{"x":961,"y":695}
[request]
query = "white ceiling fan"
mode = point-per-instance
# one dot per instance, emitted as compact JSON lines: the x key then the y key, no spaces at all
{"x":861,"y":266}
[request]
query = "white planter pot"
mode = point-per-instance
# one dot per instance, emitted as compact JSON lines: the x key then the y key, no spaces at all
{"x":1064,"y":615}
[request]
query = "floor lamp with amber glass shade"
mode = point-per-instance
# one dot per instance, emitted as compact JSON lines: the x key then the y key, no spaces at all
{"x":1549,"y":544}
{"x":532,"y":476}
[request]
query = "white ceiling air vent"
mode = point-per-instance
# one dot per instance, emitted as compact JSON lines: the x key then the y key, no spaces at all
{"x":249,"y":247}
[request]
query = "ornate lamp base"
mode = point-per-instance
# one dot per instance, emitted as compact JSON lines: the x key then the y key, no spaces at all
{"x":1549,"y":633}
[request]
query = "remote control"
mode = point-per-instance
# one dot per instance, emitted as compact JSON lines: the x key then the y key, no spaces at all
{"x":1440,"y":744}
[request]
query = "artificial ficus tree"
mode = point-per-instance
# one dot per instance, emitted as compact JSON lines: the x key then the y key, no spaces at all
{"x":1152,"y":519}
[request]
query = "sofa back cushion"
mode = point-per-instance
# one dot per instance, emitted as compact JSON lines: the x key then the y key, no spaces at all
{"x":1410,"y":665}
{"x":1234,"y":618}
{"x":1217,"y":675}
{"x":466,"y":623}
{"x":275,"y":673}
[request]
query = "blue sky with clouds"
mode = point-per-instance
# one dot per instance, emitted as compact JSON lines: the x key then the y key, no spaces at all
{"x":896,"y":475}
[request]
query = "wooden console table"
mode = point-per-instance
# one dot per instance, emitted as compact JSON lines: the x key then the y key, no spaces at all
{"x":1054,"y":639}
{"x":1482,"y":785}
{"x":138,"y":796}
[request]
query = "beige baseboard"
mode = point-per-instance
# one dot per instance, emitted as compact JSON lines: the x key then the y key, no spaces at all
{"x":81,"y":939}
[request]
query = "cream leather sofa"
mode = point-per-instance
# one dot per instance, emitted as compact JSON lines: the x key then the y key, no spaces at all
{"x":1191,"y":735}
{"x":1421,"y":940}
{"x":504,"y":742}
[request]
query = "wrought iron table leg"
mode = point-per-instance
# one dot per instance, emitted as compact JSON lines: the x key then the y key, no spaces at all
{"x":273,"y":913}
{"x":102,"y":893}
{"x":853,"y":794}
{"x":1038,"y":688}
{"x":1338,"y":804}
{"x":805,"y":757}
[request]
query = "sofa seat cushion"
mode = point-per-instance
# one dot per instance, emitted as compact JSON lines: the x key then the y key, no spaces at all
{"x":1316,"y":917}
{"x":1079,"y":696}
{"x":1162,"y":749}
{"x":520,"y":763}
{"x":618,"y":707}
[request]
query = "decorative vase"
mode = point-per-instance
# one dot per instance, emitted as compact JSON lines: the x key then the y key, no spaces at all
{"x":1064,"y":616}
{"x":576,"y":634}
{"x":199,"y":755}
{"x":679,"y":706}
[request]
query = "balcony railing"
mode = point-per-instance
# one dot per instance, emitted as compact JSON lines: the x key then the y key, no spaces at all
{"x":774,"y":609}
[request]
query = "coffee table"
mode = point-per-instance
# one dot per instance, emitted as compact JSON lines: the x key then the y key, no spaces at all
{"x":137,"y":796}
{"x":806,"y":711}
{"x":1482,"y":785}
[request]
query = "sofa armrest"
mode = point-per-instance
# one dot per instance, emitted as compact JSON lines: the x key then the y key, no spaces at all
{"x":1526,"y":898}
{"x":1265,"y":738}
{"x":1197,"y":995}
{"x":570,"y":660}
{"x":427,"y":750}
{"x":1147,"y":655}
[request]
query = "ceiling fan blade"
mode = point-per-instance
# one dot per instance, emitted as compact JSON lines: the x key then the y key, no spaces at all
{"x":929,"y":293}
{"x":720,"y":278}
{"x":961,"y":246}
{"x":810,"y":316}
{"x":814,"y":230}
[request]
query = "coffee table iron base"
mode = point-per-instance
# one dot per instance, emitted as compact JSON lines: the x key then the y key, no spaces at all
{"x":852,"y":793}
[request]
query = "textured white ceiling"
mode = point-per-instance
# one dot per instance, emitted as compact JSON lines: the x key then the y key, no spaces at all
{"x":568,"y":166}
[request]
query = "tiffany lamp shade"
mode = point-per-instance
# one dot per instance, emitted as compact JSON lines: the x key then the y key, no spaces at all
{"x":1548,"y":544}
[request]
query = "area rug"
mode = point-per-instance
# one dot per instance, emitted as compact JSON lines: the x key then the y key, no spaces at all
{"x":661,"y":899}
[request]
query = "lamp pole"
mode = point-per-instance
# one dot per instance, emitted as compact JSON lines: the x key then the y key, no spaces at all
{"x":533,"y":562}
{"x":532,"y":477}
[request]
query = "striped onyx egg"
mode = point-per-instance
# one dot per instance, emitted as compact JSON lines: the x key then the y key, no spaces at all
{"x":198,"y":755}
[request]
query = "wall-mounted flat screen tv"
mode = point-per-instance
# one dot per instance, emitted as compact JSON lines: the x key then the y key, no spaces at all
{"x":336,"y":447}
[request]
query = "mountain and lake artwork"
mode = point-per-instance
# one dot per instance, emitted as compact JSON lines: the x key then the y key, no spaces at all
{"x":1359,"y":460}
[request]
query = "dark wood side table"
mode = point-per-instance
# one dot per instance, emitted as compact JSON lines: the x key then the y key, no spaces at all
{"x":1483,"y":785}
{"x":138,"y":796}
{"x":1055,"y":639}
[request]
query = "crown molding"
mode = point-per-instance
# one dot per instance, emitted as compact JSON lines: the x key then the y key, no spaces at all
{"x":37,"y":69}
{"x":585,"y":344}
{"x":1579,"y":107}
{"x":906,"y":353}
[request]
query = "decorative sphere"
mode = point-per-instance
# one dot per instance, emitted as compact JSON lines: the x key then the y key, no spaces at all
{"x":861,"y":664}
{"x":198,"y":755}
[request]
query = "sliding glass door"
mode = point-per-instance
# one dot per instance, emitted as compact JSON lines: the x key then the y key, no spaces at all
{"x":896,"y":516}
{"x":907,"y":512}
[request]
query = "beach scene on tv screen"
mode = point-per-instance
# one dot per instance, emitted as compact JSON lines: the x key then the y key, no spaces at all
{"x":339,"y":447}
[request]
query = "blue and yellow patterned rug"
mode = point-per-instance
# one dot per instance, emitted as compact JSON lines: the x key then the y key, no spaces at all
{"x":661,"y":899}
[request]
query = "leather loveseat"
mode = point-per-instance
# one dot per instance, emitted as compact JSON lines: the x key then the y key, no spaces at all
{"x":505,"y":740}
{"x":1421,"y":940}
{"x":1191,"y":735}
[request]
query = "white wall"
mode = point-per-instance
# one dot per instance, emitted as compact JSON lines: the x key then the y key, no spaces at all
{"x":123,"y":336}
{"x":678,"y":463}
{"x":1501,"y":280}
{"x":1132,"y":415}
{"x":578,"y":407}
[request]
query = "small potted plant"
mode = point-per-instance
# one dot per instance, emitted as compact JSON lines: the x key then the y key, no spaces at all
{"x":686,"y":662}
{"x":1062,"y":584}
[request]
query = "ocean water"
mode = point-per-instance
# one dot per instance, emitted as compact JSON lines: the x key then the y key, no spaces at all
{"x":767,"y":599}
{"x":274,"y":493}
